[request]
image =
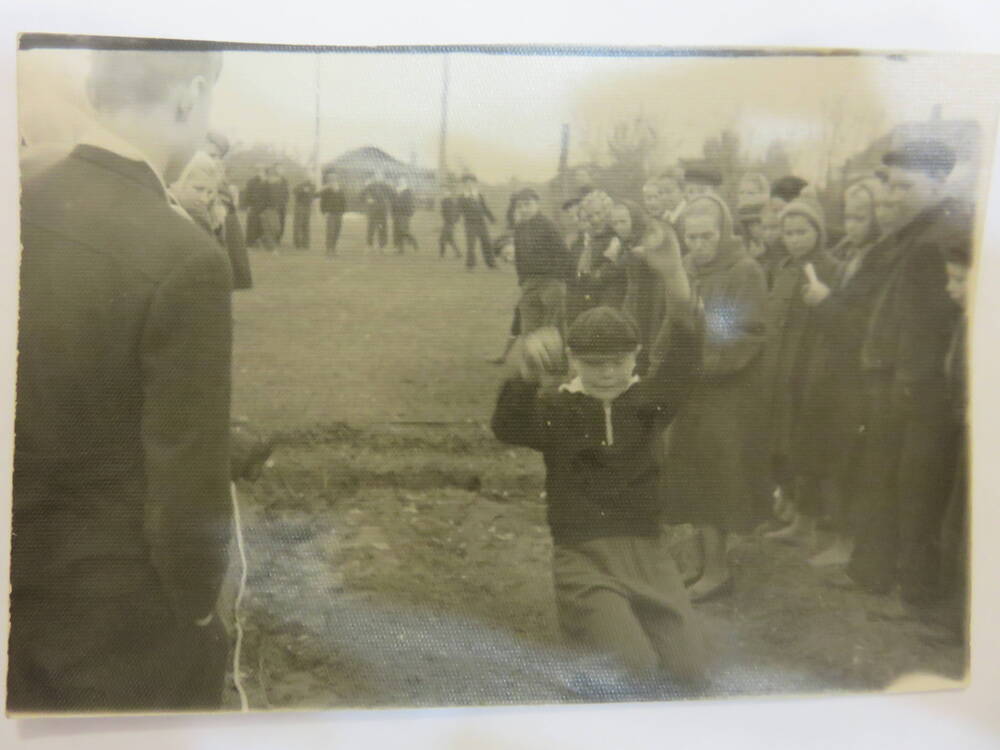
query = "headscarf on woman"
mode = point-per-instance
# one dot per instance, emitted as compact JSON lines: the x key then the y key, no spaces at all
{"x":729,"y":250}
{"x":864,"y":192}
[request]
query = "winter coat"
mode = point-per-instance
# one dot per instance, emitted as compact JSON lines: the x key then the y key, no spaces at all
{"x":716,"y":461}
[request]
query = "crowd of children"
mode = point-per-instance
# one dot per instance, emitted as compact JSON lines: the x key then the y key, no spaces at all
{"x":746,"y":377}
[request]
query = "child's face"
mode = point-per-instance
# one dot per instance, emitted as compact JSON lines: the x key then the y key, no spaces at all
{"x":800,"y":235}
{"x":858,"y":217}
{"x":195,"y":193}
{"x":594,"y":217}
{"x":770,"y":230}
{"x":525,"y":210}
{"x":751,"y":191}
{"x":653,"y":199}
{"x":957,"y":281}
{"x":702,"y":236}
{"x":604,"y":376}
{"x":621,"y":222}
{"x":671,"y":193}
{"x":692,"y":191}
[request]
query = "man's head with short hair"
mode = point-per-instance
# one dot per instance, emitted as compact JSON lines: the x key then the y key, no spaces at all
{"x":158,"y":101}
{"x":664,"y":192}
{"x":918,"y":171}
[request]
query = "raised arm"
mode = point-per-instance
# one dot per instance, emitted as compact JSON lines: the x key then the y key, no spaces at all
{"x":186,"y":350}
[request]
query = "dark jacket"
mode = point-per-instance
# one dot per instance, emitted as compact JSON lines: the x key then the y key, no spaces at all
{"x":377,"y":198}
{"x":255,"y":196}
{"x":123,"y":387}
{"x":277,"y":194}
{"x":796,"y":361}
{"x":601,"y":465}
{"x":332,"y":201}
{"x":304,"y":194}
{"x":403,"y":203}
{"x":474,"y":211}
{"x":539,"y":250}
{"x":908,"y":334}
{"x":450,"y":212}
{"x":604,"y":280}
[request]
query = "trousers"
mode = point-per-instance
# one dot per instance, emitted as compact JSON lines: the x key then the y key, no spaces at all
{"x":623,"y":597}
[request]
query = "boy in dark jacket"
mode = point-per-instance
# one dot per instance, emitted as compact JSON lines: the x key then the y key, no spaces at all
{"x":332,"y":204}
{"x":475,"y":212}
{"x":449,"y":218}
{"x":618,"y":591}
{"x":404,"y":205}
{"x":542,"y":263}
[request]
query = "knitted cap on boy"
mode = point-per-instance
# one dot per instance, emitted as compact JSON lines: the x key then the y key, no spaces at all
{"x":602,"y":330}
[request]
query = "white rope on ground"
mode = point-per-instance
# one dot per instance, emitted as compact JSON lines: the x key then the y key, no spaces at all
{"x":237,"y":679}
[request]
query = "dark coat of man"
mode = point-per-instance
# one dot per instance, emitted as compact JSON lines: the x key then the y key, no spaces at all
{"x":332,"y":200}
{"x":475,"y":213}
{"x":255,"y":197}
{"x":910,"y":449}
{"x":377,"y":198}
{"x":304,"y":194}
{"x":474,"y":210}
{"x":332,"y":204}
{"x":539,"y":250}
{"x":278,"y":195}
{"x":449,"y":218}
{"x":403,"y":204}
{"x":450,"y":213}
{"x":121,"y":505}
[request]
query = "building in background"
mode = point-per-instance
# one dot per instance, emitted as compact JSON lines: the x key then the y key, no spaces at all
{"x":359,"y":166}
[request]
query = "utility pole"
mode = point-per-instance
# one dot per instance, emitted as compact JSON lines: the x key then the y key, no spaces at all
{"x":442,"y":173}
{"x":317,"y":175}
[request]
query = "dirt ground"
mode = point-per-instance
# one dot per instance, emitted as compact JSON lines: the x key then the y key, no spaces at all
{"x":398,"y":554}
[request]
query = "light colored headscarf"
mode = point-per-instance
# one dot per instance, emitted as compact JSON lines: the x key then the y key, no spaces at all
{"x":813,"y":213}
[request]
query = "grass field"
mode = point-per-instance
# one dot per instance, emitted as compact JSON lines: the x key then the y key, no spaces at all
{"x":398,"y":554}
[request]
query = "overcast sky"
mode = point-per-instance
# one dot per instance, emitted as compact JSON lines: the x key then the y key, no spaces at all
{"x":505,"y":112}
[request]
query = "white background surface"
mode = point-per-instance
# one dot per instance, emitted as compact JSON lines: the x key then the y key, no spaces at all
{"x":969,"y":719}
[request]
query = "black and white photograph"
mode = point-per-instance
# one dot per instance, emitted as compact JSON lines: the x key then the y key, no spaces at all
{"x":411,"y":377}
